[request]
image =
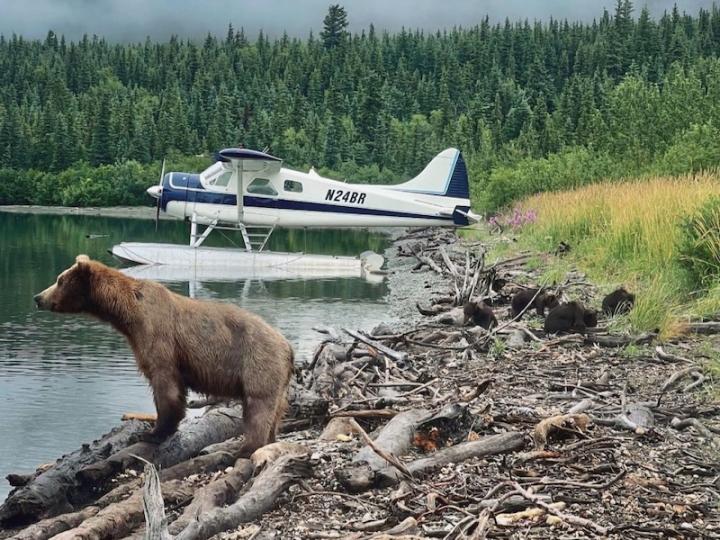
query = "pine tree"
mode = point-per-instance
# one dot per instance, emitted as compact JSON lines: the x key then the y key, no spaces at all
{"x":369,"y":109}
{"x":9,"y":137}
{"x":100,"y":150}
{"x":335,"y":25}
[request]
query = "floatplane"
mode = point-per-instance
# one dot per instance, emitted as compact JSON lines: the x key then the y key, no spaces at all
{"x":251,"y":192}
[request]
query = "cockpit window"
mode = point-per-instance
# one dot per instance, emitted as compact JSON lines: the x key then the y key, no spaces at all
{"x":293,"y":186}
{"x":262,"y":186}
{"x":221,"y":178}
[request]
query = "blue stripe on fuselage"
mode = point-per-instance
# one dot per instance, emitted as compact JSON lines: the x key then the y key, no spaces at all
{"x":192,"y":181}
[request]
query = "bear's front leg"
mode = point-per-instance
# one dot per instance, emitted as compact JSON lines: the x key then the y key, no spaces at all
{"x":170,"y":397}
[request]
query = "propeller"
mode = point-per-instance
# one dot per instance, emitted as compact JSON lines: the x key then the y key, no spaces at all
{"x":156,"y":191}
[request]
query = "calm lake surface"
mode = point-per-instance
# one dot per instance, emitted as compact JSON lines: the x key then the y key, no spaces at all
{"x":65,"y":380}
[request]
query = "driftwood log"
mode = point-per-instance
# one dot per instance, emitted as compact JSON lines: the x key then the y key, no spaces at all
{"x":123,"y":514}
{"x":214,"y":426}
{"x":487,"y":446}
{"x":48,"y":528}
{"x":214,"y":495}
{"x":374,"y":469}
{"x":707,"y":328}
{"x":387,"y":351}
{"x":357,"y":479}
{"x":78,"y":477}
{"x":260,"y":497}
{"x":605,"y":340}
{"x":153,"y":507}
{"x":119,"y":519}
{"x":53,"y":491}
{"x":395,"y":438}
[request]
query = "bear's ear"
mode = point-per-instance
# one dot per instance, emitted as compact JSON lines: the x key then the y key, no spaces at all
{"x":82,"y":263}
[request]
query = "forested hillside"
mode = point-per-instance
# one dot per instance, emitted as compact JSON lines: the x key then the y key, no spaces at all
{"x":533,"y":106}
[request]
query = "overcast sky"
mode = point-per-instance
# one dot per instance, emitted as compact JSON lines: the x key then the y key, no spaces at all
{"x":133,"y":20}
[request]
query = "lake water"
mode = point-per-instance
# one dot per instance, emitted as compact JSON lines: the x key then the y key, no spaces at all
{"x":65,"y":380}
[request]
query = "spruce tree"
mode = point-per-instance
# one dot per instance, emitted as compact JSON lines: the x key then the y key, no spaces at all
{"x":100,"y":149}
{"x":335,"y":25}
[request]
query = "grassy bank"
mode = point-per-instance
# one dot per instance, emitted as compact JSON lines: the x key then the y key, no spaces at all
{"x":659,"y":236}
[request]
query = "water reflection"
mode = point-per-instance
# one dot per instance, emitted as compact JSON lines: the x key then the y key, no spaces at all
{"x":65,"y":380}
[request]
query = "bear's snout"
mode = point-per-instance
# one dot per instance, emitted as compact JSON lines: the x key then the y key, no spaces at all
{"x":38,"y":300}
{"x":41,"y":301}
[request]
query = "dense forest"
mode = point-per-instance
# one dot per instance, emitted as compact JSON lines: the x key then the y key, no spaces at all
{"x":532,"y":105}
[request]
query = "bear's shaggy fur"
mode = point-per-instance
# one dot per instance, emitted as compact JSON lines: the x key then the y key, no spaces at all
{"x":180,"y":343}
{"x":524,"y":298}
{"x":480,"y":315}
{"x":618,"y":302}
{"x":570,"y":317}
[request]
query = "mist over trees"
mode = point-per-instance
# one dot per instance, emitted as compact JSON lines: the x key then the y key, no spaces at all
{"x":533,"y":106}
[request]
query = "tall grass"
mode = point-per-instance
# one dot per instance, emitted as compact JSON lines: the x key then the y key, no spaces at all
{"x":628,"y":233}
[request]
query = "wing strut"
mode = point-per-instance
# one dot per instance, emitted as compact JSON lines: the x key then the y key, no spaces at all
{"x":239,"y":190}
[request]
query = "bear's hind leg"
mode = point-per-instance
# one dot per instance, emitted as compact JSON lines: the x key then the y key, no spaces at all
{"x":259,"y":419}
{"x":281,"y":407}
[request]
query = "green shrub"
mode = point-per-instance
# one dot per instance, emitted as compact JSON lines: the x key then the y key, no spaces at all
{"x":695,"y":149}
{"x":699,"y":243}
{"x":571,"y":168}
{"x":120,"y":184}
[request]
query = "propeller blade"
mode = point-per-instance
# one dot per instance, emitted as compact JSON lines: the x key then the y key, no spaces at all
{"x":162,"y":173}
{"x":157,"y":214}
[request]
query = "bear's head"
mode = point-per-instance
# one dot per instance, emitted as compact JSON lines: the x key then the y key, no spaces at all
{"x":628,"y":296}
{"x":548,"y":300}
{"x":70,"y":292}
{"x":590,"y":318}
{"x":469,"y":310}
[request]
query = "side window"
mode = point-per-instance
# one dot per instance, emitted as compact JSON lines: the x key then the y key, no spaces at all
{"x":223,"y":179}
{"x":261,"y":186}
{"x":293,"y":186}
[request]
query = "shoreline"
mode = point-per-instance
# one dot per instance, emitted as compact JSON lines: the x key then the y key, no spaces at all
{"x":148,"y":213}
{"x":127,"y":212}
{"x":466,"y":405}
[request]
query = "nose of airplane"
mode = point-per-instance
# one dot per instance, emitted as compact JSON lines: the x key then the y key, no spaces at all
{"x":154,"y":191}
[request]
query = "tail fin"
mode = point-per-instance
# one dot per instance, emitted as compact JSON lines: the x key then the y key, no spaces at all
{"x":446,"y":176}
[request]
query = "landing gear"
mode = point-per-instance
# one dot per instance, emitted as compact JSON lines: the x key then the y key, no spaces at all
{"x":196,"y":239}
{"x":255,"y":237}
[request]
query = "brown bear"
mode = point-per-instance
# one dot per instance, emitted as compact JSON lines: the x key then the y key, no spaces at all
{"x":480,"y":315}
{"x":498,"y":283}
{"x":180,"y":343}
{"x":542,"y":301}
{"x":618,"y":302}
{"x":570,"y":317}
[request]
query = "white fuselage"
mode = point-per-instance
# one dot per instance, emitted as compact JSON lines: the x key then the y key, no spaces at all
{"x":276,"y":196}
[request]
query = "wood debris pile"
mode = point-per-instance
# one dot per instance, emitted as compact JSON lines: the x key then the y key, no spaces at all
{"x":425,"y":428}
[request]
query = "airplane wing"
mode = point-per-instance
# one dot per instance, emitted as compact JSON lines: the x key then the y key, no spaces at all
{"x":250,"y":160}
